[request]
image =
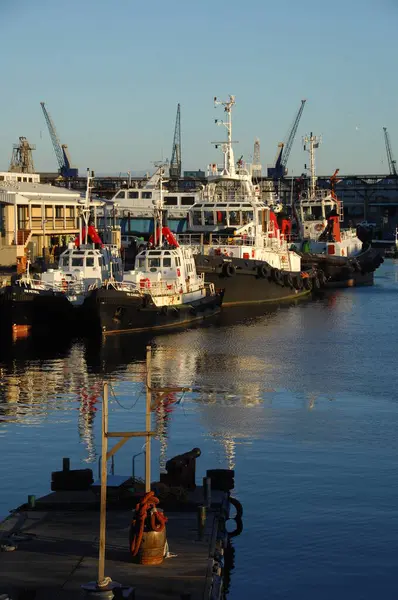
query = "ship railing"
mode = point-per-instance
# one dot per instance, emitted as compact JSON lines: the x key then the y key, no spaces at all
{"x":66,"y":287}
{"x":190,"y":239}
{"x":158,"y":288}
{"x":228,"y":240}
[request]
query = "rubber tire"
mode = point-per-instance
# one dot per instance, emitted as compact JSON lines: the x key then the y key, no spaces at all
{"x":228,"y":270}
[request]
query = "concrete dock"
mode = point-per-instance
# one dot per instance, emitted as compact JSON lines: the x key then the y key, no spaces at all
{"x":56,"y":549}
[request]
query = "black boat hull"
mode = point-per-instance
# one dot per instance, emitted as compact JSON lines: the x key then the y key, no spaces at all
{"x":44,"y":310}
{"x":247,"y":283}
{"x":113,"y":311}
{"x":343,"y":271}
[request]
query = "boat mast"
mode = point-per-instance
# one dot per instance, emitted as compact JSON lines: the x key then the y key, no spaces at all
{"x":158,"y":210}
{"x":229,"y":161}
{"x":86,"y":208}
{"x":312,"y":141}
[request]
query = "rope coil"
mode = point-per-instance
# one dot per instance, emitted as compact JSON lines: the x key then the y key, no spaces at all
{"x":147,"y":514}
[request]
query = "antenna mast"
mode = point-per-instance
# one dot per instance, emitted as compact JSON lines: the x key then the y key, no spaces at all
{"x":313,"y":142}
{"x":229,"y":161}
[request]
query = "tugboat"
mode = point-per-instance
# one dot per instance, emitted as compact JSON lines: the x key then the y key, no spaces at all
{"x":55,"y":298}
{"x":163,"y":290}
{"x":241,"y":247}
{"x":345,"y":259}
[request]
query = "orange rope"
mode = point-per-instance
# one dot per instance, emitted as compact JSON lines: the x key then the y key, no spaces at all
{"x":157,"y":520}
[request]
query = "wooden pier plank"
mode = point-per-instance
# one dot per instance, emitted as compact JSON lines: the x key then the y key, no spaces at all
{"x":63,"y":555}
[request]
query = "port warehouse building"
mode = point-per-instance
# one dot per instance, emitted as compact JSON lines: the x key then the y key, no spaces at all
{"x":34,"y":216}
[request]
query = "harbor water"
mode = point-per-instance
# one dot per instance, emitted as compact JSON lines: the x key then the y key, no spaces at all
{"x":301,"y":401}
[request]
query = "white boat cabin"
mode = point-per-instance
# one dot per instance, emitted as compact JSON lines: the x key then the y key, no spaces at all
{"x":80,"y":269}
{"x":168,"y":275}
{"x":313,"y":212}
{"x":210,"y":216}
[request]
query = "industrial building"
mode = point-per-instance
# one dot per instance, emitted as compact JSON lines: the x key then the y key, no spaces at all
{"x":34,"y":216}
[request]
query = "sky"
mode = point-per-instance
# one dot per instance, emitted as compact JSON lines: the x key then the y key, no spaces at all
{"x":112,"y":72}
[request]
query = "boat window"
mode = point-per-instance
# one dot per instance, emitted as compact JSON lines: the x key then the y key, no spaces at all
{"x":167,"y":262}
{"x":221,"y":204}
{"x":90,"y":261}
{"x":133,"y":195}
{"x":153,"y":262}
{"x":155,"y":253}
{"x":209,"y":217}
{"x":61,"y":262}
{"x":178,"y":262}
{"x":170,"y":201}
{"x":101,"y":261}
{"x":140,"y":263}
{"x":166,"y":252}
{"x":146,"y":195}
{"x":221,"y":217}
{"x":187,"y":201}
{"x":234,"y":217}
{"x":247,"y":216}
{"x":197,"y":217}
{"x":77,"y":261}
{"x":121,"y":195}
{"x":211,"y":205}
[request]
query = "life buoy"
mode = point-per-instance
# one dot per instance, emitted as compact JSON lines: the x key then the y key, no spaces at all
{"x":262,"y":271}
{"x":228,"y":270}
{"x":145,"y":283}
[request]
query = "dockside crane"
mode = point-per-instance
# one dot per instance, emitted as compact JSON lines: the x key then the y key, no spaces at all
{"x":279,"y":169}
{"x":175,"y":162}
{"x":61,"y":150}
{"x":392,"y":163}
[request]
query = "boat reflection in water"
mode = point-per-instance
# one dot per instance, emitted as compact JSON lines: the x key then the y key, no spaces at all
{"x":40,"y":379}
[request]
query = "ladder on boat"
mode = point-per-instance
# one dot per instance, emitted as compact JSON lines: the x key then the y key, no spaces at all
{"x":340,"y":211}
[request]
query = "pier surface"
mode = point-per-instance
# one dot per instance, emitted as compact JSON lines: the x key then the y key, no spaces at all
{"x":57,"y":549}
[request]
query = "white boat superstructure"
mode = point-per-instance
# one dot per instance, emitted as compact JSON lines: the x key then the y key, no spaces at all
{"x":318,"y":214}
{"x":165,"y":271}
{"x":138,"y":202}
{"x":168,"y":276}
{"x":82,"y":267}
{"x":236,"y":223}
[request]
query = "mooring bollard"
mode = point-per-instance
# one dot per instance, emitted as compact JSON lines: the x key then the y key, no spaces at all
{"x":201,"y":520}
{"x":207,"y":492}
{"x":31,"y":501}
{"x":66,"y":464}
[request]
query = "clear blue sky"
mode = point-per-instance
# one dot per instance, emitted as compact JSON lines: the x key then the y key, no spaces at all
{"x":112,"y":72}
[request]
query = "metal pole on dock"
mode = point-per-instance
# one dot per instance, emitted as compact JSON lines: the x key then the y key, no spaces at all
{"x":104,"y":451}
{"x":148,"y":421}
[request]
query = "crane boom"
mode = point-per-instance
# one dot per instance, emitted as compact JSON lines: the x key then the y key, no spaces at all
{"x":175,"y":162}
{"x":392,"y":163}
{"x":279,"y":168}
{"x":61,"y":150}
{"x":289,"y":143}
